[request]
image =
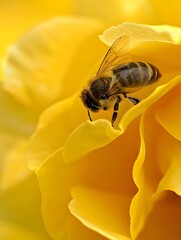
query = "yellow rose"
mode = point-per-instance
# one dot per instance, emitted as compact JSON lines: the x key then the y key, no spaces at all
{"x":99,"y":182}
{"x":84,"y":169}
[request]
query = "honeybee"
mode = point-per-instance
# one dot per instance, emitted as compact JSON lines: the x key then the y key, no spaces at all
{"x":117,"y":76}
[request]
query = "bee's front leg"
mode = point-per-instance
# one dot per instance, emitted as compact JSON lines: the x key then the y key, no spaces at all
{"x":116,"y":108}
{"x":133,"y":100}
{"x":89,"y":115}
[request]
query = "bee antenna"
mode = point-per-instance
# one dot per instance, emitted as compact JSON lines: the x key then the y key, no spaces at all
{"x":89,"y":115}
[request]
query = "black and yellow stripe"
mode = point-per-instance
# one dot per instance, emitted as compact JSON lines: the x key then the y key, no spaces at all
{"x":136,"y":74}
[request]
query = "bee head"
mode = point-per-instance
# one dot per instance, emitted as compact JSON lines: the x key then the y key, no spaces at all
{"x":89,"y":101}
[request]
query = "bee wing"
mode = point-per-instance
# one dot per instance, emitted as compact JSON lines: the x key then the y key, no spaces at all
{"x":116,"y":54}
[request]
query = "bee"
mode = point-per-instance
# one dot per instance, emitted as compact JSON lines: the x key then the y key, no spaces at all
{"x":117,"y":76}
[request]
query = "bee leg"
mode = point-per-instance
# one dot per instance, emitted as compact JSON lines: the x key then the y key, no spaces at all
{"x":133,"y":100}
{"x":89,"y":115}
{"x":116,"y":108}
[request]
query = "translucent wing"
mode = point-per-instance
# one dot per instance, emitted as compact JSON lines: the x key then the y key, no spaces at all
{"x":116,"y":55}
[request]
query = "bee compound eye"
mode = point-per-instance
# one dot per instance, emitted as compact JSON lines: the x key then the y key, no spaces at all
{"x":94,"y":106}
{"x":90,"y":102}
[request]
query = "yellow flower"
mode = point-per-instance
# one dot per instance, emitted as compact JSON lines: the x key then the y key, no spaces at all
{"x":96,"y":182}
{"x":99,"y":182}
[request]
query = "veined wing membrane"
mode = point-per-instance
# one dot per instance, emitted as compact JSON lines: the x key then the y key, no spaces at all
{"x":116,"y":55}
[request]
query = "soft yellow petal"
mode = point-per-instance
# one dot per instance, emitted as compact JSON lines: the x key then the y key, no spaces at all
{"x":172,"y":177}
{"x":103,"y":212}
{"x":20,"y":213}
{"x":87,"y":137}
{"x":49,"y":63}
{"x":55,"y":125}
{"x":138,"y":33}
{"x":168,"y":112}
{"x":10,"y":231}
{"x":111,"y":166}
{"x":154,"y":169}
{"x":146,"y":173}
{"x":164,"y":220}
{"x":55,"y":180}
{"x":29,"y":14}
{"x":54,"y":130}
{"x":16,"y":125}
{"x":14,"y":165}
{"x":15,"y":118}
{"x":77,"y":231}
{"x":168,"y":157}
{"x":140,"y":108}
{"x":140,"y":201}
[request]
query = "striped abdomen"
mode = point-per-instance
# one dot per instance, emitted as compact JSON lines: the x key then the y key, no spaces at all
{"x":136,"y":74}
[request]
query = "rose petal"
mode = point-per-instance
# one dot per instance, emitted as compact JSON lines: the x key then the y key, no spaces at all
{"x":172,"y":178}
{"x":146,"y":173}
{"x":168,"y":112}
{"x":55,"y":180}
{"x":16,"y":125}
{"x":56,"y":177}
{"x":140,"y":200}
{"x":10,"y":230}
{"x":20,"y":211}
{"x":88,"y":137}
{"x":28,"y":15}
{"x":105,"y":213}
{"x":140,"y":32}
{"x":135,"y":111}
{"x":169,"y":155}
{"x":14,"y":165}
{"x":15,"y":119}
{"x":149,"y":158}
{"x":164,"y":220}
{"x":76,"y":231}
{"x":55,"y":125}
{"x":44,"y":66}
